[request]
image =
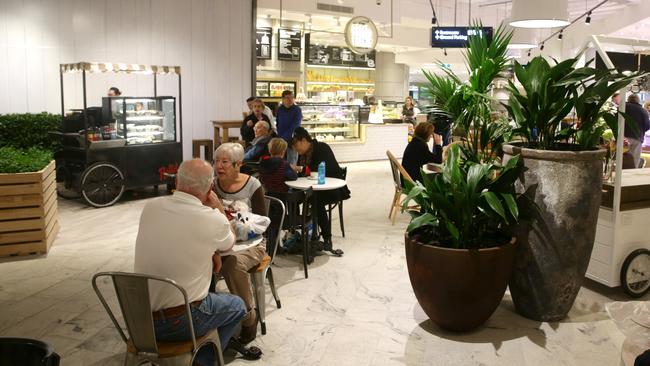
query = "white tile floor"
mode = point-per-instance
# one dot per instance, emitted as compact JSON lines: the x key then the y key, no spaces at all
{"x":356,"y":310}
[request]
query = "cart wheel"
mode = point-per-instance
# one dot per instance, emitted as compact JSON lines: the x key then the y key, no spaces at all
{"x":102,"y":184}
{"x":635,"y":273}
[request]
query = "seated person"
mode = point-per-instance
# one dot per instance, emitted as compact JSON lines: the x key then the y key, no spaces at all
{"x":247,"y":127}
{"x":234,"y":186}
{"x":274,"y":170}
{"x":177,"y":239}
{"x":417,"y":151}
{"x":259,"y":145}
{"x":311,"y":154}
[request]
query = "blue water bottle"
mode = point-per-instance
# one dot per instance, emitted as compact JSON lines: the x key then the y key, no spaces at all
{"x":321,"y":173}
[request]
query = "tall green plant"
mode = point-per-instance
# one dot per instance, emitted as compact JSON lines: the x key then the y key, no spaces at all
{"x":469,"y":205}
{"x":468,"y":103}
{"x":551,"y":92}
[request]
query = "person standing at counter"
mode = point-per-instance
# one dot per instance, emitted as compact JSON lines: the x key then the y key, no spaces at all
{"x":417,"y":151}
{"x":409,"y":111}
{"x":247,"y":129}
{"x":289,"y":118}
{"x":114,"y":92}
{"x":635,"y":135}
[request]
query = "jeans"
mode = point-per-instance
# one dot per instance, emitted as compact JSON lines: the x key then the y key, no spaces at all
{"x":217,"y":311}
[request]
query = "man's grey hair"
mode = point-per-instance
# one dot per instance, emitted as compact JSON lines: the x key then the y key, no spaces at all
{"x":194,"y":180}
{"x":234,"y":151}
{"x":634,"y":98}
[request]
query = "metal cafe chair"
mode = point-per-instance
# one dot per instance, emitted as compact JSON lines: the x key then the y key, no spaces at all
{"x":275,"y":210}
{"x":132,"y":291}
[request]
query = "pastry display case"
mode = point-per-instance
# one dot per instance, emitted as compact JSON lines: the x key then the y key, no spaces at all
{"x":141,"y":120}
{"x":331,"y":123}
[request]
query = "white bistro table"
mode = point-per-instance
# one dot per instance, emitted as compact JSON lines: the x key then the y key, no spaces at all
{"x":304,"y":183}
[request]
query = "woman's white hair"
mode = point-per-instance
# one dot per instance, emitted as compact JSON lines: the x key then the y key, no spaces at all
{"x":195,"y":176}
{"x":234,"y":151}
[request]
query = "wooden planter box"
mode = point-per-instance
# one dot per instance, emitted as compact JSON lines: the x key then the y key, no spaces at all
{"x":28,"y":212}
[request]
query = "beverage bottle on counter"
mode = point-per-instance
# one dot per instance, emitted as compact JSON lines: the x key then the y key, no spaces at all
{"x":106,"y":133}
{"x":321,"y":173}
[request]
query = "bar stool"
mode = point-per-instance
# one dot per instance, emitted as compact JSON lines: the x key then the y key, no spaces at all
{"x":207,"y":144}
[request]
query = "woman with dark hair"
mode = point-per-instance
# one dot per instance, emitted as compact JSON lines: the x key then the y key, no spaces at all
{"x":114,"y":92}
{"x":311,"y":154}
{"x":417,"y":151}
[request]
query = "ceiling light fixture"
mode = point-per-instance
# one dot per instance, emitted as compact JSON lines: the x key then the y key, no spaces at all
{"x":559,"y":36}
{"x":445,"y":51}
{"x":539,"y":14}
{"x":529,"y":53}
{"x":541,"y":47}
{"x":434,"y":19}
{"x":588,"y":19}
{"x":522,"y":38}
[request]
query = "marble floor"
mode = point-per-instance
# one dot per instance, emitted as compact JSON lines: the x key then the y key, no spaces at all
{"x":355,"y":310}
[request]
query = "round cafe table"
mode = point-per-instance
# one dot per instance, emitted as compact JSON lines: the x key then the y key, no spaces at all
{"x":304,"y":183}
{"x":307,"y":182}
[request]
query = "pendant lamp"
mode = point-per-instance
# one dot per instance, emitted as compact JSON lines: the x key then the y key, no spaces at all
{"x":539,"y":14}
{"x":524,"y":38}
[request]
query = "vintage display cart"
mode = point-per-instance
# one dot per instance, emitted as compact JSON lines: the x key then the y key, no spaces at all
{"x":128,"y":142}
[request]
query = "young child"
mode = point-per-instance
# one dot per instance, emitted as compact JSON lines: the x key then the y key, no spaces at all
{"x":274,"y":170}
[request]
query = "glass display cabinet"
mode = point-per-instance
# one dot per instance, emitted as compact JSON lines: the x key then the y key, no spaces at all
{"x":141,"y":120}
{"x":331,"y":123}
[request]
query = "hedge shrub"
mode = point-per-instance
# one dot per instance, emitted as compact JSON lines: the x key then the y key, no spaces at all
{"x":14,"y":160}
{"x":23,"y":131}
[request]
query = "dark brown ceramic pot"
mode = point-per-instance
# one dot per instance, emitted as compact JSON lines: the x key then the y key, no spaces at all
{"x":459,"y":289}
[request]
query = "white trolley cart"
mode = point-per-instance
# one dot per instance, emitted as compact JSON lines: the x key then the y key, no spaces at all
{"x":621,"y":253}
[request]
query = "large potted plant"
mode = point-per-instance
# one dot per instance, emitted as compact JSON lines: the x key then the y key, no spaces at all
{"x":459,"y":250}
{"x":562,"y":176}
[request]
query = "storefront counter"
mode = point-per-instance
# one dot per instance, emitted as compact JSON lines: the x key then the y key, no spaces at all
{"x":374,"y":140}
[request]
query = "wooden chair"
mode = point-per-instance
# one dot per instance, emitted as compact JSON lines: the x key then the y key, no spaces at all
{"x":209,"y":149}
{"x":399,"y":173}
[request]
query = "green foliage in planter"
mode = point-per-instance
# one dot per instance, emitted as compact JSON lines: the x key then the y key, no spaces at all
{"x":468,"y":103}
{"x":550,"y":93}
{"x":27,"y":130}
{"x":22,"y":161}
{"x":469,"y":205}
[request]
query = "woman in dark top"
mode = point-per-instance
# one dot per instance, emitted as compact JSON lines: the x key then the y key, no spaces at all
{"x":417,"y":151}
{"x":408,"y":111}
{"x":247,"y":127}
{"x":311,"y":154}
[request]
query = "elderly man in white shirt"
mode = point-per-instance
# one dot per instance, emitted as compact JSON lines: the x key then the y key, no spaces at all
{"x":180,"y":237}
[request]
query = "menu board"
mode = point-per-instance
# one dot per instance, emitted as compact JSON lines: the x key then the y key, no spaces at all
{"x":338,"y":56}
{"x":289,"y":44}
{"x":262,"y":89}
{"x":277,"y":87}
{"x":263,"y":42}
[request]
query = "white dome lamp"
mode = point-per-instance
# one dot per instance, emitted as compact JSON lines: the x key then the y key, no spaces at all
{"x":522,"y":38}
{"x":539,"y":14}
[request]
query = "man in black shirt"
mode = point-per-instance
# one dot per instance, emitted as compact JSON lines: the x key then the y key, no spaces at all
{"x":635,"y":134}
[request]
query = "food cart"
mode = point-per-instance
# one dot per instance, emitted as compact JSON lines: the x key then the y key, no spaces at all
{"x":621,"y":255}
{"x":127,"y":143}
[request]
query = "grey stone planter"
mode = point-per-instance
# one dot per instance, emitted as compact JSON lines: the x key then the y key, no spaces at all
{"x":553,"y":255}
